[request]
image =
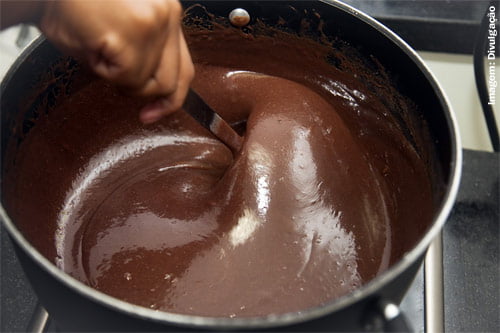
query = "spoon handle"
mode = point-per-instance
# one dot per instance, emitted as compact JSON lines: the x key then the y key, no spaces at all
{"x":197,"y":108}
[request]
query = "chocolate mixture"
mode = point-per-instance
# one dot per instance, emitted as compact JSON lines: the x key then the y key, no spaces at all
{"x":165,"y":216}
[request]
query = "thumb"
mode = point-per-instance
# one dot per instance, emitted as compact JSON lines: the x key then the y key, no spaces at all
{"x":104,"y":66}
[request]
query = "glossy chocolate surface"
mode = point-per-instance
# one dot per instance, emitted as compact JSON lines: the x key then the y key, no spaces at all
{"x":326,"y":192}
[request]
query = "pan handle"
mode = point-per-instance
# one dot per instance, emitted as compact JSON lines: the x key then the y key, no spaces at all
{"x":385,"y":316}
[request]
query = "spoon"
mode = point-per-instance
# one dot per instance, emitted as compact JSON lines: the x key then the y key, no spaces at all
{"x":197,"y":108}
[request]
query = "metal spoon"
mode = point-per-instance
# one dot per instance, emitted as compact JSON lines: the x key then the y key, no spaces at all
{"x":195,"y":106}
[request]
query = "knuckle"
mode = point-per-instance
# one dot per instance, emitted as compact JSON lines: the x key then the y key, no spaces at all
{"x":108,"y":61}
{"x":169,"y":87}
{"x":175,"y":8}
{"x":160,"y":9}
{"x":144,"y":18}
{"x":143,"y":22}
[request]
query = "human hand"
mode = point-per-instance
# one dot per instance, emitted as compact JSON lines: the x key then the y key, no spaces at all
{"x":138,"y":45}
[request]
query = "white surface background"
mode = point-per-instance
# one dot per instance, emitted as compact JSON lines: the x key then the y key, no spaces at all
{"x":454,"y":73}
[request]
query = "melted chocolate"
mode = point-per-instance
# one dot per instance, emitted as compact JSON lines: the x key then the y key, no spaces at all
{"x":165,"y":216}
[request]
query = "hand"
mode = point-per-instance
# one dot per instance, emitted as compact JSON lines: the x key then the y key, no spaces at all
{"x":136,"y":44}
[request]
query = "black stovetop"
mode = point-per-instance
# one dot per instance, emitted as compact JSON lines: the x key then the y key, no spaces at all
{"x":470,"y":261}
{"x":471,"y":248}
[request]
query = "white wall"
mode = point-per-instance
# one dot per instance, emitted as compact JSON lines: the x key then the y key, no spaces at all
{"x":455,"y":74}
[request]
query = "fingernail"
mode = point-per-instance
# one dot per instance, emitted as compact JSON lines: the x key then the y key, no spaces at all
{"x":149,"y":117}
{"x":153,"y":111}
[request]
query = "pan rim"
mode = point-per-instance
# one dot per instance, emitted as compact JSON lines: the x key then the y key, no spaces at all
{"x":292,"y":317}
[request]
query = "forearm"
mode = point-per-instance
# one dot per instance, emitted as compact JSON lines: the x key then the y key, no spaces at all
{"x":20,"y":11}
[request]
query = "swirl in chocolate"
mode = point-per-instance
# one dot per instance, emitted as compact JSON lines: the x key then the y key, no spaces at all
{"x":165,"y":216}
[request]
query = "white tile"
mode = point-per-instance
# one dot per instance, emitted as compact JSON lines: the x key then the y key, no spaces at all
{"x":455,"y":74}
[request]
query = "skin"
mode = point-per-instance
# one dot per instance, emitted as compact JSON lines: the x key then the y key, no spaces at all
{"x":138,"y":45}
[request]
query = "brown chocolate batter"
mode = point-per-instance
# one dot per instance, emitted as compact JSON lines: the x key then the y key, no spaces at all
{"x":166,"y":217}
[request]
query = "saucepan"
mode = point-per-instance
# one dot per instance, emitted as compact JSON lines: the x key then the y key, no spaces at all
{"x":42,"y":73}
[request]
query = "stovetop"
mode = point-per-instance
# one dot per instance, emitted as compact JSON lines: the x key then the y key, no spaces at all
{"x":470,"y":238}
{"x":471,"y":248}
{"x":470,"y":262}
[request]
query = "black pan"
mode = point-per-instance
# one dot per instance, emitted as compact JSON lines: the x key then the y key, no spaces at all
{"x":75,"y":306}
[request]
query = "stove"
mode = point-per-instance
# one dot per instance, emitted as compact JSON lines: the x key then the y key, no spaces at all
{"x":457,"y":287}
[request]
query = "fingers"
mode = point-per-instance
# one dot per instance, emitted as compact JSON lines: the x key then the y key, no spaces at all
{"x":137,"y":45}
{"x":172,"y":101}
{"x":162,"y":80}
{"x":186,"y":75}
{"x":162,"y":67}
{"x":105,"y":60}
{"x":131,"y":56}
